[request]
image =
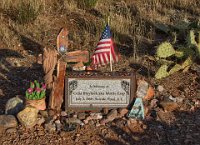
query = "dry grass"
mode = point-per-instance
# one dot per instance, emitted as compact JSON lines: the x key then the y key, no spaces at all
{"x":132,"y":22}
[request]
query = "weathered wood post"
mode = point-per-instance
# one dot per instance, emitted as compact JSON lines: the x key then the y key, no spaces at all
{"x":59,"y":57}
{"x":57,"y":93}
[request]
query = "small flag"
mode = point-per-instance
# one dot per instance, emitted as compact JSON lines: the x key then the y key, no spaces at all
{"x":104,"y":52}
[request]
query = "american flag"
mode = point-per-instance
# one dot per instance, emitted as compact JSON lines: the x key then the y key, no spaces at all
{"x":105,"y":49}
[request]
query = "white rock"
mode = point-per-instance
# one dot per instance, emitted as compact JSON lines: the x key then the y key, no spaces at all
{"x":160,"y":88}
{"x":14,"y":106}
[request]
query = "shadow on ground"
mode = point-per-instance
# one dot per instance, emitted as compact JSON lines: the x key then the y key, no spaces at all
{"x":17,"y":70}
{"x":183,"y":129}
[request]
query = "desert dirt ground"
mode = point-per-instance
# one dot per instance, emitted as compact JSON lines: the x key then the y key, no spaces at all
{"x":20,"y":45}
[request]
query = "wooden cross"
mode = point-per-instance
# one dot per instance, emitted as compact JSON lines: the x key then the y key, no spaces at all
{"x":61,"y":56}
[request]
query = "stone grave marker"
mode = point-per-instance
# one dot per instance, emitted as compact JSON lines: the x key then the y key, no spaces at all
{"x":90,"y":92}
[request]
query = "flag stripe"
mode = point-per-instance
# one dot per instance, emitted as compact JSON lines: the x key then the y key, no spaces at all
{"x":104,"y":45}
{"x":102,"y":50}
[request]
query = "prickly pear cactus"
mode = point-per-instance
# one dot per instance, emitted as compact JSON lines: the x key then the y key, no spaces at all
{"x":185,"y":55}
{"x":162,"y":72}
{"x":198,"y":45}
{"x":187,"y":62}
{"x":165,"y":50}
{"x":184,"y":52}
{"x":192,"y":43}
{"x":175,"y":68}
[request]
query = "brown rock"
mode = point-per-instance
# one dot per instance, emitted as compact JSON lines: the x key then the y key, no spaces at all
{"x":11,"y":130}
{"x":169,"y":106}
{"x":63,"y":113}
{"x":44,"y":113}
{"x":40,"y":121}
{"x":81,"y":115}
{"x":93,"y":116}
{"x":51,"y":113}
{"x":28,"y":117}
{"x":6,"y":122}
{"x":166,"y":117}
{"x":112,"y":115}
{"x":79,"y":67}
{"x":123,"y":112}
{"x":50,"y":127}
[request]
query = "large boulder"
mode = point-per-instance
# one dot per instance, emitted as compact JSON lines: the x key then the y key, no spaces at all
{"x":7,"y":122}
{"x":28,"y":116}
{"x":14,"y":106}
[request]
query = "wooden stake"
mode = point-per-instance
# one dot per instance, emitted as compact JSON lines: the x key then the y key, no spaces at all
{"x":57,"y":94}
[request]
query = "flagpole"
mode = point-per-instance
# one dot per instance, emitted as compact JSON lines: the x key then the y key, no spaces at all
{"x":110,"y":61}
{"x":111,"y":46}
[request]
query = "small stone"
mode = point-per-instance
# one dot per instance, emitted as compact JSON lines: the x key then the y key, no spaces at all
{"x":98,"y":124}
{"x":17,"y":63}
{"x":144,"y":126}
{"x":14,"y":106}
{"x":123,"y":112}
{"x":58,"y":125}
{"x":75,"y":116}
{"x":40,"y":121}
{"x":63,"y":113}
{"x":44,"y":113}
{"x":103,"y":121}
{"x":112,"y":115}
{"x":96,"y":116}
{"x":169,"y":106}
{"x":172,"y":98}
{"x":51,"y":113}
{"x":105,"y":110}
{"x":142,"y":88}
{"x":93,"y":116}
{"x":11,"y":130}
{"x":62,"y":133}
{"x":41,"y":133}
{"x":81,"y":116}
{"x":74,"y":120}
{"x":6,"y":122}
{"x":153,"y":103}
{"x":78,"y":135}
{"x":160,"y":88}
{"x":79,"y":67}
{"x":28,"y":117}
{"x":179,"y":99}
{"x":50,"y":127}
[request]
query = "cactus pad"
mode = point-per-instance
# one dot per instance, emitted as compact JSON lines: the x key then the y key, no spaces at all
{"x":162,"y":72}
{"x":187,"y":62}
{"x":175,"y":68}
{"x":165,"y":50}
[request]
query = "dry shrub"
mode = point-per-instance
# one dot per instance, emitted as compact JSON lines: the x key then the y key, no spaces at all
{"x":22,"y":11}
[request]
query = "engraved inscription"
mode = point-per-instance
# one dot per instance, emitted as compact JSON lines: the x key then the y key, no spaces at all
{"x":99,"y":93}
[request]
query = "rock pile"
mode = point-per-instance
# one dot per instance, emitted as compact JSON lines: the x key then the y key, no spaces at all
{"x":157,"y":104}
